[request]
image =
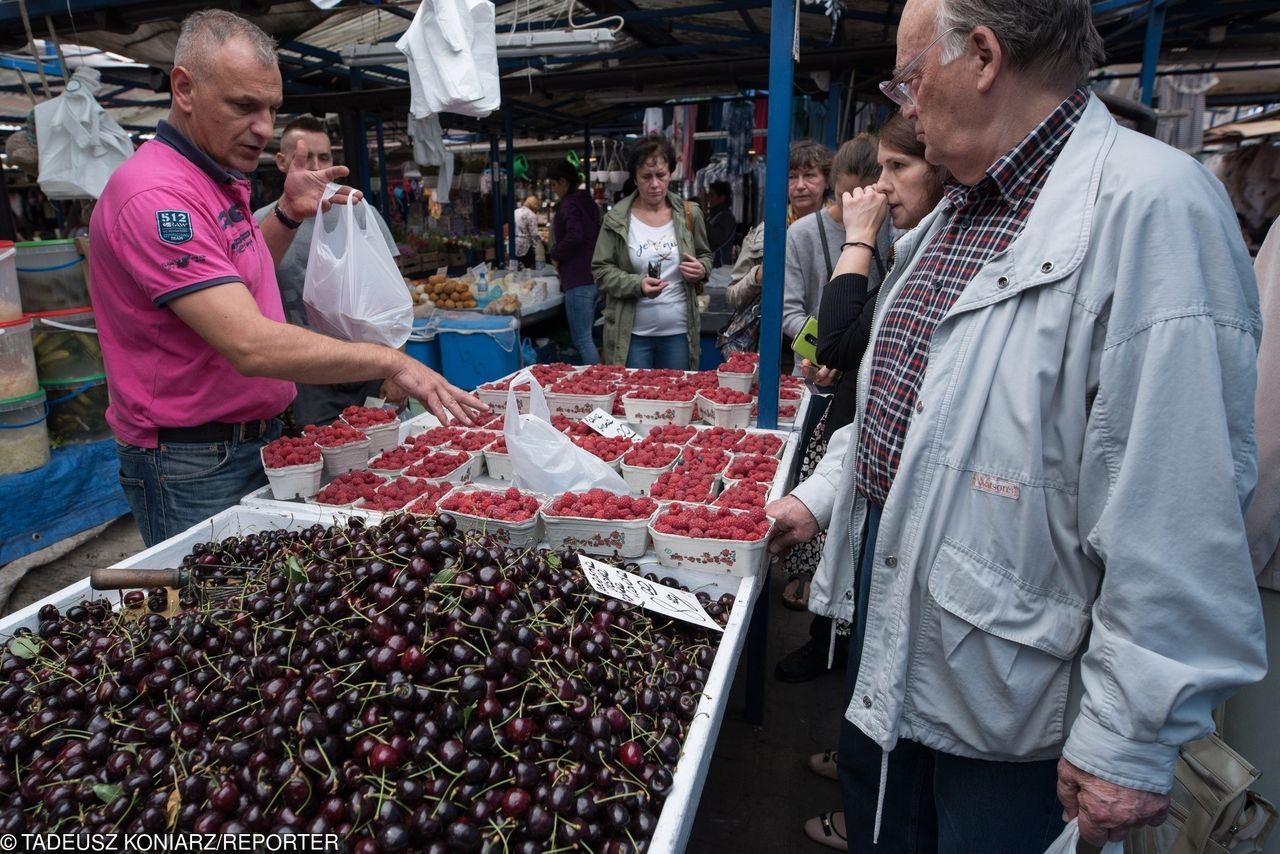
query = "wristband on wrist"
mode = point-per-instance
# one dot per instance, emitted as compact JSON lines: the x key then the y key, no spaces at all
{"x":866,"y":246}
{"x":285,"y":220}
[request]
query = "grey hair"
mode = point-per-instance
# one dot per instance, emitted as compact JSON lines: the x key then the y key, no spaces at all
{"x":204,"y":32}
{"x":1054,"y":40}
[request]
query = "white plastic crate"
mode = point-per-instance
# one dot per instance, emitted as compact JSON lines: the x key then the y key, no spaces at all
{"x":630,"y":539}
{"x":300,"y":481}
{"x":735,"y":557}
{"x":578,"y":405}
{"x":651,"y":413}
{"x":723,"y":414}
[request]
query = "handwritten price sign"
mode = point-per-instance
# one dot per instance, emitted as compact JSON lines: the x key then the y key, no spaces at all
{"x":608,"y":426}
{"x":620,"y":584}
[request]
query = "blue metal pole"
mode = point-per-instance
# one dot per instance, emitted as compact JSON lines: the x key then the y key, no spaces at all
{"x":499,"y":217}
{"x":511,"y":180}
{"x":1151,"y":49}
{"x":385,"y":181}
{"x":782,"y":27}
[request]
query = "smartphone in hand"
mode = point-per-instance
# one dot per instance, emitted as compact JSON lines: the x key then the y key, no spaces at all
{"x":655,"y":270}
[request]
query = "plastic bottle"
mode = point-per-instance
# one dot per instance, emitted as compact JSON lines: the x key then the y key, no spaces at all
{"x":482,"y":286}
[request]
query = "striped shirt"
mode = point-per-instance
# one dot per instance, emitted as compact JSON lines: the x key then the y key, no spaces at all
{"x":982,"y":220}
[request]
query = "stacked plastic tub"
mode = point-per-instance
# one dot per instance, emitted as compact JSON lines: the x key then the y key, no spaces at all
{"x":24,"y":444}
{"x":72,"y":374}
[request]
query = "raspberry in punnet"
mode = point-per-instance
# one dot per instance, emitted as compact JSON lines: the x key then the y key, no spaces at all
{"x":601,"y":504}
{"x":499,"y":445}
{"x":718,"y":437}
{"x":572,"y":426}
{"x":758,"y":443}
{"x":361,"y":417}
{"x":350,"y":487}
{"x":603,"y":372}
{"x":497,"y":422}
{"x":715,"y":523}
{"x":669,"y":434}
{"x":786,"y":411}
{"x":744,"y":495}
{"x":752,"y":467}
{"x":740,"y":363}
{"x":337,"y":434}
{"x":510,"y":505}
{"x":573,"y":385}
{"x":683,"y":486}
{"x":426,"y":505}
{"x":436,"y":437}
{"x":650,"y":455}
{"x":703,"y":379}
{"x":791,"y":381}
{"x":399,"y":457}
{"x":673,"y":393}
{"x":473,"y":440}
{"x":726,"y":396}
{"x":394,"y":495}
{"x":290,"y":451}
{"x":709,"y":461}
{"x":607,"y":449}
{"x":438,"y":464}
{"x":653,"y":376}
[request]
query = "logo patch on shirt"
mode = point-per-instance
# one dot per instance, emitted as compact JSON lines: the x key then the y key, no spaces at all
{"x":174,"y":226}
{"x":996,"y":486}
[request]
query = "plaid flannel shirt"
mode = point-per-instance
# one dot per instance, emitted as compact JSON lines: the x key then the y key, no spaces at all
{"x":984,"y":220}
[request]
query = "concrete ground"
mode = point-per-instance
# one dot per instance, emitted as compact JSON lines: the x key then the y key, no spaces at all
{"x":759,"y":790}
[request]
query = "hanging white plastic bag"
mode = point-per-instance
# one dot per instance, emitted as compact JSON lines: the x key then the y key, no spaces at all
{"x":353,"y":289}
{"x":451,"y":47}
{"x":79,"y":144}
{"x":1069,"y":841}
{"x":542,"y":458}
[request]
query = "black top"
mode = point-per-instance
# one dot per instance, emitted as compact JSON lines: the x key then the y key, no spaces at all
{"x":844,"y":328}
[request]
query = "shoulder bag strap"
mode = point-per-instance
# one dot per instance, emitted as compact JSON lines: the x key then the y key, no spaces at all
{"x":826,"y":247}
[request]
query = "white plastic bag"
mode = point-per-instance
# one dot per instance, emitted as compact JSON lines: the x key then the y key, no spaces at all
{"x":542,"y":458}
{"x":1069,"y":841}
{"x":79,"y":144}
{"x":353,"y":289}
{"x":451,"y":46}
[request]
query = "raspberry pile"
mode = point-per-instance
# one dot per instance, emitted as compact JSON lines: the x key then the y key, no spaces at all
{"x":499,"y":446}
{"x":350,"y":487}
{"x":572,"y":426}
{"x":653,"y":376}
{"x":753,"y":467}
{"x":740,"y":363}
{"x":708,"y":461}
{"x":718,"y":437}
{"x":361,"y":417}
{"x":497,"y":422}
{"x":651,"y":455}
{"x":601,"y":504}
{"x":510,"y":505}
{"x":788,"y":394}
{"x":397,"y":459}
{"x":472,"y":440}
{"x":726,"y":396}
{"x":606,"y":448}
{"x":436,"y":437}
{"x":609,"y":373}
{"x":336,"y":435}
{"x":670,"y":434}
{"x":394,"y":495}
{"x":715,"y":523}
{"x":548,"y":374}
{"x":704,"y":379}
{"x":289,"y":451}
{"x":683,"y":486}
{"x":791,"y":381}
{"x":744,"y":495}
{"x":426,"y":505}
{"x":438,"y":464}
{"x":786,"y":412}
{"x":673,"y":393}
{"x":592,"y":388}
{"x":758,"y":443}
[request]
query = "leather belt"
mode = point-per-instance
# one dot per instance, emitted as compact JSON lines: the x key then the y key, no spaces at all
{"x":213,"y":431}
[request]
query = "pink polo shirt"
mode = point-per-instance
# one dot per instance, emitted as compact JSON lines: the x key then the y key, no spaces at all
{"x":172,"y":221}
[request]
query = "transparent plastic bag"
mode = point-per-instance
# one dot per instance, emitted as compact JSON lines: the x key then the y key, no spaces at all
{"x":353,"y":289}
{"x":1069,"y":843}
{"x":80,"y":145}
{"x":542,"y":458}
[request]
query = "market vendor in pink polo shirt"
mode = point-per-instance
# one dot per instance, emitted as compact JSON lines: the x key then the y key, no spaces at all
{"x":198,"y":356}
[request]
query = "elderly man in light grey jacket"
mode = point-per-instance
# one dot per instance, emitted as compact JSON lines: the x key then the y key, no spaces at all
{"x":1038,"y":523}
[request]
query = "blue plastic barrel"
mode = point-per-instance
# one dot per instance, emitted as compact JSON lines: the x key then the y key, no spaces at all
{"x":423,"y":344}
{"x":477,"y":348}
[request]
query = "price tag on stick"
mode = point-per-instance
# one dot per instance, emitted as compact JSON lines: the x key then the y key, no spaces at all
{"x":620,"y":584}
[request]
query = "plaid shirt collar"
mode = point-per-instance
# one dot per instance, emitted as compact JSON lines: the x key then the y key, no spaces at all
{"x":1014,"y":174}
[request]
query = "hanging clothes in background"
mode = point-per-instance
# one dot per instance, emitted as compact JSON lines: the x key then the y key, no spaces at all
{"x":762,"y":121}
{"x":676,"y":139}
{"x":716,"y":170}
{"x":429,"y":150}
{"x":652,"y":121}
{"x":685,"y":151}
{"x":740,"y":124}
{"x":1183,"y":92}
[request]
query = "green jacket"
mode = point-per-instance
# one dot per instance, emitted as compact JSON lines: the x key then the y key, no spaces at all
{"x":611,"y":267}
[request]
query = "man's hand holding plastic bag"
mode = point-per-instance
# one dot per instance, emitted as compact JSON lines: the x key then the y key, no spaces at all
{"x":542,"y":458}
{"x":1070,"y":843}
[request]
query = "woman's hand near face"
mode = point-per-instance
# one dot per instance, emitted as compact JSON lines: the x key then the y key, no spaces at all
{"x":864,"y":210}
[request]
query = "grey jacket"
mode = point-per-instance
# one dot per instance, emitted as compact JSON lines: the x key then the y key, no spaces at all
{"x":1061,"y":565}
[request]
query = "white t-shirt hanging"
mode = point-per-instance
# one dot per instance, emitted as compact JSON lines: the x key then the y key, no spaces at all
{"x":667,"y":313}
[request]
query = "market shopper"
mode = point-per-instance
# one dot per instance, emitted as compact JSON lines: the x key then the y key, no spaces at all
{"x":1041,"y":520}
{"x":722,"y":226}
{"x":574,"y":230}
{"x":198,"y":356}
{"x":526,"y":221}
{"x":650,"y":259}
{"x":315,"y":403}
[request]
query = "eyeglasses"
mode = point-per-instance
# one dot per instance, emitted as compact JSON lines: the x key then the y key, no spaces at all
{"x":898,"y":89}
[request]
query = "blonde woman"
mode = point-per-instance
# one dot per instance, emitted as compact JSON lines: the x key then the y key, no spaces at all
{"x":527,"y":231}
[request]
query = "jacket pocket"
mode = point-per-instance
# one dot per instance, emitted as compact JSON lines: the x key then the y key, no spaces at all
{"x":996,"y":656}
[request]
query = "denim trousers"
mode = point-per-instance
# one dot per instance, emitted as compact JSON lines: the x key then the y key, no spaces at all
{"x":580,"y":309}
{"x":176,"y":485}
{"x":659,"y":351}
{"x":935,"y":802}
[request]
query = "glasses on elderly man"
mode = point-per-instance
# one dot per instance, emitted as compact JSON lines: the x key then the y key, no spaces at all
{"x":898,"y":89}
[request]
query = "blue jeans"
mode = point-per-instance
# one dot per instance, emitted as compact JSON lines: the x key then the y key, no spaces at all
{"x":174,"y":486}
{"x":580,"y":308}
{"x":659,"y":351}
{"x":934,"y":802}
